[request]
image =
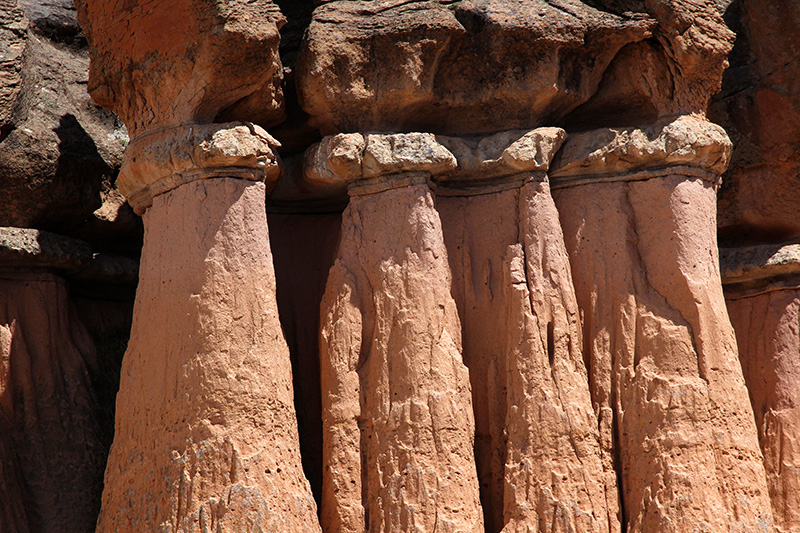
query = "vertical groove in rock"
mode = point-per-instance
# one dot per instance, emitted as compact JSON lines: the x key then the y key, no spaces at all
{"x":206,"y":435}
{"x":644,"y":262}
{"x":52,"y":464}
{"x":538,"y":448}
{"x":397,"y":412}
{"x":764,"y":304}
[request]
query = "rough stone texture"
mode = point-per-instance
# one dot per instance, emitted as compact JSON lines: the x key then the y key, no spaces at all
{"x":537,"y":447}
{"x":49,"y":424}
{"x":663,"y":372}
{"x":164,"y":159}
{"x":759,"y":106}
{"x":398,"y":427}
{"x":537,"y":444}
{"x":687,"y":141}
{"x":143,"y":59}
{"x":33,"y":249}
{"x":459,"y":67}
{"x":206,"y":435}
{"x":673,"y":73}
{"x":397,"y":415}
{"x":762,"y":292}
{"x":58,"y":151}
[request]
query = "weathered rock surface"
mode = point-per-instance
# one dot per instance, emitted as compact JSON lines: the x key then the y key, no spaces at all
{"x":759,"y":106}
{"x":53,"y":455}
{"x":762,"y":290}
{"x":663,"y":372}
{"x":397,"y":414}
{"x":455,"y":67}
{"x":206,"y":434}
{"x":537,"y":444}
{"x":58,"y":151}
{"x":673,"y":73}
{"x":143,"y":60}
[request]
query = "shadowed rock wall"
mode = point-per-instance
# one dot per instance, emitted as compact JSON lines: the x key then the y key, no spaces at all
{"x":495,"y":303}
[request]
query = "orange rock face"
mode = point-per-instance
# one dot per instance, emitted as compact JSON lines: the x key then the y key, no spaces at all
{"x":764,"y":305}
{"x":537,"y":446}
{"x":163,"y":66}
{"x":398,"y":427}
{"x":206,"y":435}
{"x":663,"y":371}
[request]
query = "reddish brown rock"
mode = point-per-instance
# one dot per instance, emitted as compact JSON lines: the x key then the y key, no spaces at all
{"x":663,"y":371}
{"x":192,"y":61}
{"x":206,"y":433}
{"x":762,"y":290}
{"x":471,"y":66}
{"x":537,"y":444}
{"x":50,"y":440}
{"x":759,"y":106}
{"x":397,"y":415}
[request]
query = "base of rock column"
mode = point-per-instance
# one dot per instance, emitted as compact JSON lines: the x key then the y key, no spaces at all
{"x":537,"y":443}
{"x":662,"y":353}
{"x":48,"y":411}
{"x":762,"y":291}
{"x":206,"y":434}
{"x":397,"y":413}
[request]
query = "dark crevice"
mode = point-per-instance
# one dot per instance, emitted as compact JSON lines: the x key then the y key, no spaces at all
{"x":5,"y":131}
{"x":551,"y":346}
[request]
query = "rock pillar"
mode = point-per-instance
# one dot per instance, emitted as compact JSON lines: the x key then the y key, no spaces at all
{"x":638,"y":210}
{"x":762,"y":290}
{"x":537,"y":443}
{"x":398,"y":427}
{"x":206,"y":436}
{"x":51,"y":456}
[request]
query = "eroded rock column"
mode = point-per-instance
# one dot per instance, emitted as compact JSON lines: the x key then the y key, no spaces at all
{"x":206,"y":435}
{"x":398,"y":427}
{"x":51,"y":455}
{"x":762,"y":290}
{"x":537,"y":443}
{"x":638,"y":210}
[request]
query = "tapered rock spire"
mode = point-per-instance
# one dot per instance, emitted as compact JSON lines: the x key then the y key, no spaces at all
{"x":206,"y":433}
{"x":638,"y":210}
{"x":537,"y":443}
{"x":397,"y":413}
{"x":762,"y":290}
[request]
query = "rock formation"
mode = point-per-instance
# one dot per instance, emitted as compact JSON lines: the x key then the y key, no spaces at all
{"x":761,"y":289}
{"x":206,"y":432}
{"x":495,"y":304}
{"x":637,"y":207}
{"x":537,"y":445}
{"x":50,"y":440}
{"x":398,"y":427}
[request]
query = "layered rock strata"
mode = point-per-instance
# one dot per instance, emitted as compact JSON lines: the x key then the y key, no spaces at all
{"x":638,"y":211}
{"x":51,"y":453}
{"x":537,"y":443}
{"x":206,"y":434}
{"x":762,"y":290}
{"x":398,"y":427}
